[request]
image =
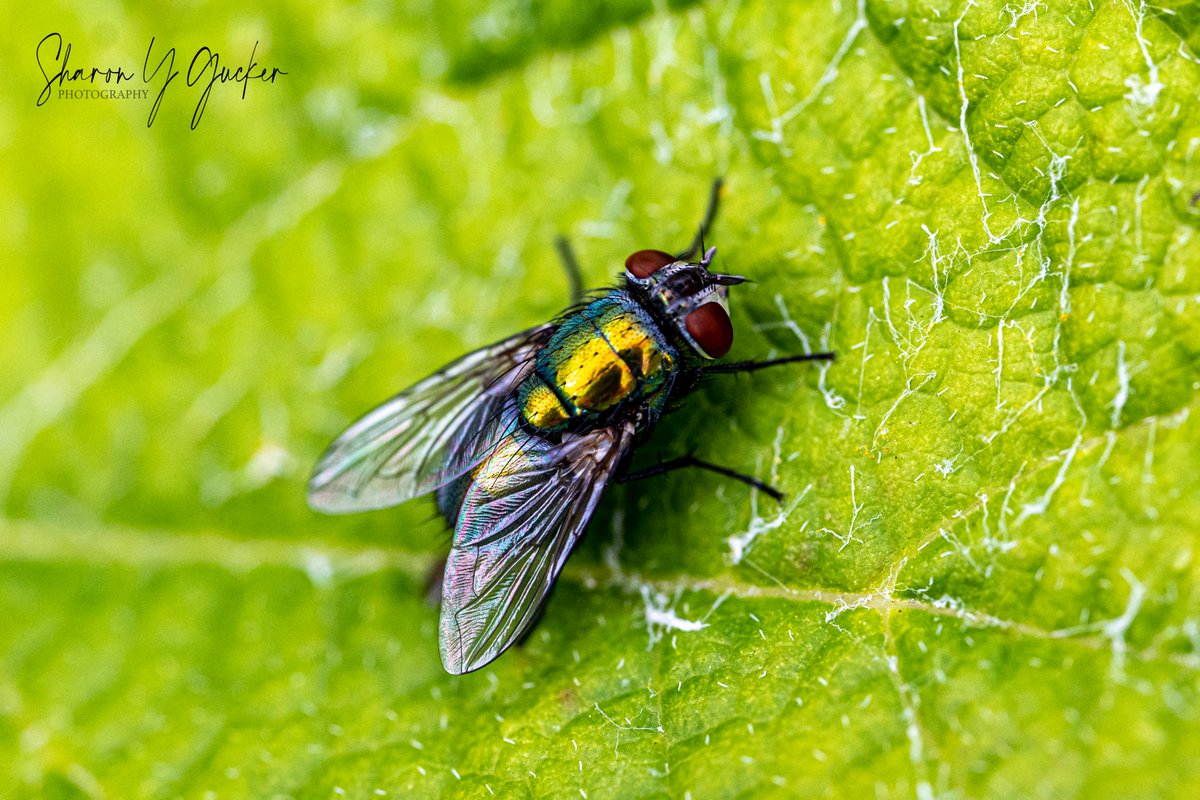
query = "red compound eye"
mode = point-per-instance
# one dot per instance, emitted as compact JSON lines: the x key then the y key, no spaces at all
{"x":710,"y":327}
{"x":645,"y":263}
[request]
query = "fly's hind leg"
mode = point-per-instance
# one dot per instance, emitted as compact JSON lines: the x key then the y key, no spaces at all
{"x":691,"y":461}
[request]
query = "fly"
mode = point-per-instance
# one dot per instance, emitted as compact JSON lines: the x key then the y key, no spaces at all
{"x":519,"y":440}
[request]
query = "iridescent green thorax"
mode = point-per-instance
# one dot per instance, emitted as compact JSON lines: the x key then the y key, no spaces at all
{"x":606,"y":354}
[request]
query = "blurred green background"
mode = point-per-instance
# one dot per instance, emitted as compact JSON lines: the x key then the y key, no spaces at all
{"x":981,"y":584}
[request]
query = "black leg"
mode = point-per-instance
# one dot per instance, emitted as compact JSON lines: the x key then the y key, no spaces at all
{"x":751,"y":366}
{"x":710,"y":215}
{"x":692,"y":461}
{"x":571,"y":266}
{"x":575,"y":275}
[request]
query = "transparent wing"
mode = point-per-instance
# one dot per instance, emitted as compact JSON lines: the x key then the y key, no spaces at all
{"x":426,"y":435}
{"x":524,"y":511}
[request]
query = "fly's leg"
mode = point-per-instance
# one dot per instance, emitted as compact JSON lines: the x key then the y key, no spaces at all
{"x":710,"y":216}
{"x":751,"y":366}
{"x":691,"y":461}
{"x":571,"y":266}
{"x":566,"y":253}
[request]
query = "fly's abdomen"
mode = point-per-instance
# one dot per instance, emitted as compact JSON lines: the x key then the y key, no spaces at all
{"x":541,"y":406}
{"x":606,"y":354}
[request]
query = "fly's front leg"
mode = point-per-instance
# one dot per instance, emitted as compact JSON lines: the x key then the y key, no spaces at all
{"x":710,"y":216}
{"x":691,"y":461}
{"x":566,"y":253}
{"x":752,"y":366}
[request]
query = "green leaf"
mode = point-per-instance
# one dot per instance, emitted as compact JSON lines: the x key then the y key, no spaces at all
{"x":982,"y":582}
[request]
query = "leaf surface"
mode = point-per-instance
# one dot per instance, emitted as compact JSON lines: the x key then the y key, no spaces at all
{"x":982,"y":582}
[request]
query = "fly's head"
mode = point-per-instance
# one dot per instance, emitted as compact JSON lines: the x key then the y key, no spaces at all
{"x":692,"y":299}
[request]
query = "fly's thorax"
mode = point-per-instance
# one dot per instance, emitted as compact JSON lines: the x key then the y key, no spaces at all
{"x":605,"y":355}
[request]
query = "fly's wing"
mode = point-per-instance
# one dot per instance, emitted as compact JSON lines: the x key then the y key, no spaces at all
{"x":522,"y":514}
{"x":426,"y":435}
